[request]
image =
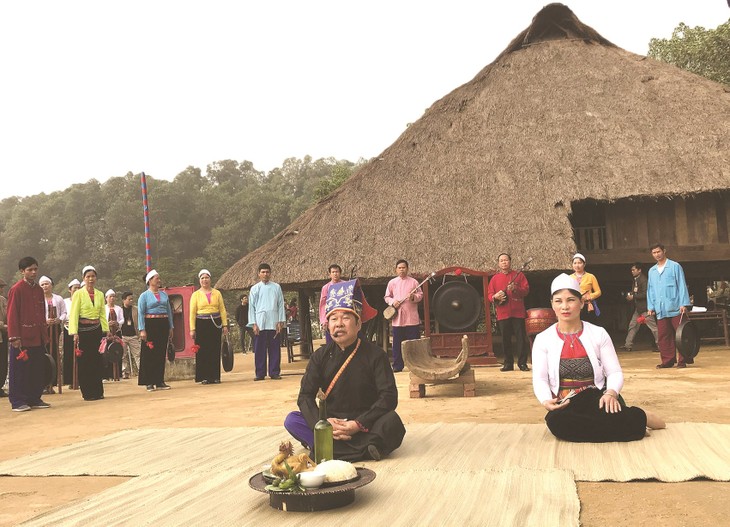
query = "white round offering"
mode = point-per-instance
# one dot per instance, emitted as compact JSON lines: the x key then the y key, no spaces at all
{"x":311,"y":480}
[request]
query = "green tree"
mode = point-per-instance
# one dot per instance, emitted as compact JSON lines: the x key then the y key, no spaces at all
{"x":702,"y":51}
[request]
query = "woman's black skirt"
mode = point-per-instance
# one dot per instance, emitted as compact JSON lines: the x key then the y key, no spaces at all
{"x":208,"y":359}
{"x":152,"y":358}
{"x":583,"y":422}
{"x":90,"y":363}
{"x":68,"y":357}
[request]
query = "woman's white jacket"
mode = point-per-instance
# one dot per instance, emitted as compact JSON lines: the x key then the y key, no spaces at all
{"x":546,"y":361}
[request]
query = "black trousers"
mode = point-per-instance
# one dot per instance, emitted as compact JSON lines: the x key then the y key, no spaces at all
{"x":516,"y":327}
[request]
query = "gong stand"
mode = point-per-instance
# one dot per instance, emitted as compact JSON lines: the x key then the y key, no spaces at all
{"x":456,"y":310}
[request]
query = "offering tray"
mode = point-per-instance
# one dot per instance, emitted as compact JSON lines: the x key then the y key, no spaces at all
{"x":321,"y":499}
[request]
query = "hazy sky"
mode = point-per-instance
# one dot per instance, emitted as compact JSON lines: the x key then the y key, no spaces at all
{"x":95,"y":89}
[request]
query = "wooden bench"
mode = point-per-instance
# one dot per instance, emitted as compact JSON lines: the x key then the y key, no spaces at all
{"x":417,"y":388}
{"x":717,"y":314}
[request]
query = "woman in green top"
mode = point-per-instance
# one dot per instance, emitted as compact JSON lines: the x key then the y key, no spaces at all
{"x":87,"y":323}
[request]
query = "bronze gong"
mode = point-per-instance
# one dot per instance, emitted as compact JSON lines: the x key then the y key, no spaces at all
{"x":456,"y":306}
{"x":49,"y":370}
{"x":688,"y":339}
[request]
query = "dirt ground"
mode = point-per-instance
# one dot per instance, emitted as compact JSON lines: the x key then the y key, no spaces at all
{"x":700,"y":393}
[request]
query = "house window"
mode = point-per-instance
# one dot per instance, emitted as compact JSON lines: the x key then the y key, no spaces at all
{"x":588,"y":219}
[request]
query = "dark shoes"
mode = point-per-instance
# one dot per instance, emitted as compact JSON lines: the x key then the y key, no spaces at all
{"x":163,"y":386}
{"x":150,"y":387}
{"x":523,"y":367}
{"x":204,"y":382}
{"x":507,"y":368}
{"x":663,"y":365}
{"x":258,"y":378}
{"x":374,"y":453}
{"x":276,"y":378}
{"x":681,"y":365}
{"x":39,"y":405}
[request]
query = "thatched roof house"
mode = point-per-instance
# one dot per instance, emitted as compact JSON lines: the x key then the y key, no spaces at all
{"x":562,"y":115}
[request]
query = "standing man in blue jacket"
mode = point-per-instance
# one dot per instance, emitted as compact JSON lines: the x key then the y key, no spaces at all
{"x":267,"y":317}
{"x":667,"y":297}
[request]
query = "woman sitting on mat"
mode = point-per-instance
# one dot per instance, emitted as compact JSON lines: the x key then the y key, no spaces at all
{"x":577,"y":377}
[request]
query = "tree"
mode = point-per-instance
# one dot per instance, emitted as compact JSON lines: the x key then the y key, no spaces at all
{"x":702,"y":51}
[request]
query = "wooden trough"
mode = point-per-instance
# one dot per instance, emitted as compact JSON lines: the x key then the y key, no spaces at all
{"x":425,"y":368}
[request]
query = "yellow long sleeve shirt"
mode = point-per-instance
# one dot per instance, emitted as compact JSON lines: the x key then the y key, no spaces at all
{"x":589,"y":284}
{"x":82,"y":307}
{"x":199,"y":305}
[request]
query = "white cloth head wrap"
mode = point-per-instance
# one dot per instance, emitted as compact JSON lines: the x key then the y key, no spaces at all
{"x":74,"y":282}
{"x":150,"y":275}
{"x":87,"y":268}
{"x":563,"y":281}
{"x":44,"y":279}
{"x":578,"y":255}
{"x":110,"y":292}
{"x":204,"y":271}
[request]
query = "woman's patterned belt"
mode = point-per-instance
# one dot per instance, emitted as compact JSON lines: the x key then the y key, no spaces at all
{"x":155,"y":316}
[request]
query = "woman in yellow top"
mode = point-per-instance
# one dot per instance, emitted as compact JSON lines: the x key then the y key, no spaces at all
{"x":208,"y":320}
{"x":87,"y":324}
{"x":589,"y":289}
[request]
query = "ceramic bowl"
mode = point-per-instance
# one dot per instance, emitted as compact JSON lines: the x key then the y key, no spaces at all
{"x":311,"y":480}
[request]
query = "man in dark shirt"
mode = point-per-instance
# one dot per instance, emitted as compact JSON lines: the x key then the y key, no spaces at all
{"x":637,"y":295}
{"x":130,"y":336}
{"x":358,"y":384}
{"x":242,"y":321}
{"x":27,"y":336}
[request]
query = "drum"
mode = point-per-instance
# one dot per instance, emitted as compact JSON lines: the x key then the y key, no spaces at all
{"x":539,"y":319}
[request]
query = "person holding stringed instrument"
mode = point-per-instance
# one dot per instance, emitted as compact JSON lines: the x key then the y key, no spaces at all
{"x":356,"y":380}
{"x":507,"y":290}
{"x":403,"y":294}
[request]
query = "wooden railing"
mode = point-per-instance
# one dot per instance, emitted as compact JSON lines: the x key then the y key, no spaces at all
{"x":590,"y":238}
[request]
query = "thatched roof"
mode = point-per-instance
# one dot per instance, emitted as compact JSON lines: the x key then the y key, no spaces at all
{"x":561,"y":115}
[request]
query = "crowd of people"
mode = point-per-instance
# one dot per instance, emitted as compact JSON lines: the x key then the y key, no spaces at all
{"x":98,"y":337}
{"x":576,"y":373}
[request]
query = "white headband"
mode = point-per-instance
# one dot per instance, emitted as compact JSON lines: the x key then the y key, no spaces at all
{"x":150,"y":275}
{"x":74,"y":282}
{"x":110,"y":292}
{"x":87,"y":268}
{"x":44,"y":279}
{"x":202,"y":272}
{"x":578,"y":255}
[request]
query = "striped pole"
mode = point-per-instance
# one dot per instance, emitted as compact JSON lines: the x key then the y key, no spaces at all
{"x":146,"y":210}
